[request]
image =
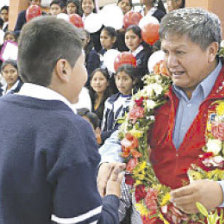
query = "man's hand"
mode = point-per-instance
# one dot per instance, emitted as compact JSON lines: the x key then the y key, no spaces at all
{"x":208,"y":193}
{"x":103,"y":176}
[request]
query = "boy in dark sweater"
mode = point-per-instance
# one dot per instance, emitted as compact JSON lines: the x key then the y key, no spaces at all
{"x":48,"y":155}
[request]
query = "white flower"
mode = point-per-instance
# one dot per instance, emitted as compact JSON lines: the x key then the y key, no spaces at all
{"x":157,"y":88}
{"x":149,"y":90}
{"x":222,"y":43}
{"x":150,"y":104}
{"x":214,"y":146}
{"x":216,"y":161}
{"x":153,"y":88}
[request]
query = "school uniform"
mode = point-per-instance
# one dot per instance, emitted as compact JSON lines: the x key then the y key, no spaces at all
{"x":92,"y":62}
{"x":142,"y":55}
{"x":14,"y":89}
{"x":115,"y":107}
{"x":157,"y":13}
{"x":48,"y":162}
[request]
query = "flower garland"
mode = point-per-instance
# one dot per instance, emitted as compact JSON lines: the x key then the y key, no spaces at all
{"x":153,"y":198}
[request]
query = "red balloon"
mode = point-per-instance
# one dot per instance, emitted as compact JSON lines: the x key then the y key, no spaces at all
{"x":131,"y":18}
{"x":124,"y":58}
{"x":33,"y":11}
{"x":76,"y":20}
{"x":150,"y":33}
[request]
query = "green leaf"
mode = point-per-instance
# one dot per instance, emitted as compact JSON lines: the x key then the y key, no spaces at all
{"x":202,"y":209}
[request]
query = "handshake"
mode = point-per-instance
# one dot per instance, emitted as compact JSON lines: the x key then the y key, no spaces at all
{"x":109,"y":178}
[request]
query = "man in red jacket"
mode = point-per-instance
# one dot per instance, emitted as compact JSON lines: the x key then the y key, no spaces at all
{"x":190,"y":39}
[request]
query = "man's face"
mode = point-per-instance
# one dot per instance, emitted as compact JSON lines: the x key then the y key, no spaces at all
{"x":186,"y":61}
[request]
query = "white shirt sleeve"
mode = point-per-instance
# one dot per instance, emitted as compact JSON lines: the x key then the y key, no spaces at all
{"x":110,"y":151}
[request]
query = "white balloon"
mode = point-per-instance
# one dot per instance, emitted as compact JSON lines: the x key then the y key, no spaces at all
{"x":147,"y":20}
{"x":63,"y":16}
{"x":109,"y":58}
{"x":112,"y":15}
{"x":93,"y":23}
{"x":155,"y":58}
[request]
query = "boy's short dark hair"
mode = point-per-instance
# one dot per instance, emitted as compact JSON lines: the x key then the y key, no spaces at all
{"x":43,"y":41}
{"x":57,"y":2}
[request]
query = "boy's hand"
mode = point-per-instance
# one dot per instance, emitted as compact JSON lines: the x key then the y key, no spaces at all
{"x":208,"y":193}
{"x":114,"y":182}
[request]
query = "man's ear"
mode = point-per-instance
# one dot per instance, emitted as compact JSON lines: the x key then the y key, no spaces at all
{"x":63,"y":70}
{"x":212,"y":51}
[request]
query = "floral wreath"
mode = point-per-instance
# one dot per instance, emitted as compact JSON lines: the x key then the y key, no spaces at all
{"x":152,"y":198}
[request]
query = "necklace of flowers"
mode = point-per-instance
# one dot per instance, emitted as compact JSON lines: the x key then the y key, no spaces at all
{"x":152,"y":198}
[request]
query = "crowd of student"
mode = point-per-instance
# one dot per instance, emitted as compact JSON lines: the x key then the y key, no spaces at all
{"x":58,"y":166}
{"x":106,"y":95}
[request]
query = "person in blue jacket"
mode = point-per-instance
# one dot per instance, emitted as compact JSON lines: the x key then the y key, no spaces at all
{"x":48,"y":155}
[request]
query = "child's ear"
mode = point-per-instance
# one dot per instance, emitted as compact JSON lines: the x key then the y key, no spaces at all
{"x":63,"y":70}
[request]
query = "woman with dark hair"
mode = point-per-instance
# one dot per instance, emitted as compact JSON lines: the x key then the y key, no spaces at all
{"x":92,"y":59}
{"x":9,"y":72}
{"x":126,"y":6}
{"x":88,"y":7}
{"x":73,"y":7}
{"x":175,"y":4}
{"x":99,"y":90}
{"x":150,"y":9}
{"x":138,"y":48}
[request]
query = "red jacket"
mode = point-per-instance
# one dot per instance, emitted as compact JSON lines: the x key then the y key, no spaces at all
{"x":170,"y":165}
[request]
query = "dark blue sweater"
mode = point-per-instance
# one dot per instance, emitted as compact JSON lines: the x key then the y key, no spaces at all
{"x":48,"y":165}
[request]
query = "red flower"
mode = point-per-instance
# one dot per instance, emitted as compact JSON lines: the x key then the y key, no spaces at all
{"x":131,"y":164}
{"x":140,"y":192}
{"x":139,"y":101}
{"x":151,"y":199}
{"x":148,"y":220}
{"x":129,"y":144}
{"x":135,"y":113}
{"x":161,"y":68}
{"x":217,"y":130}
{"x":128,"y":179}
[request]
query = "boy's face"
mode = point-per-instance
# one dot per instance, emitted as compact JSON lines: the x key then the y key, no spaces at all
{"x":124,"y":83}
{"x":4,"y":15}
{"x":78,"y":79}
{"x":55,"y":9}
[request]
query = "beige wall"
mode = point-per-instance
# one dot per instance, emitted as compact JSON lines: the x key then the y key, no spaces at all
{"x":215,"y":6}
{"x":15,"y":7}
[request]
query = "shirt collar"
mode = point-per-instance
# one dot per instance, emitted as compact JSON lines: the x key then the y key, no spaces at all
{"x":206,"y":85}
{"x":43,"y":93}
{"x":137,"y":50}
